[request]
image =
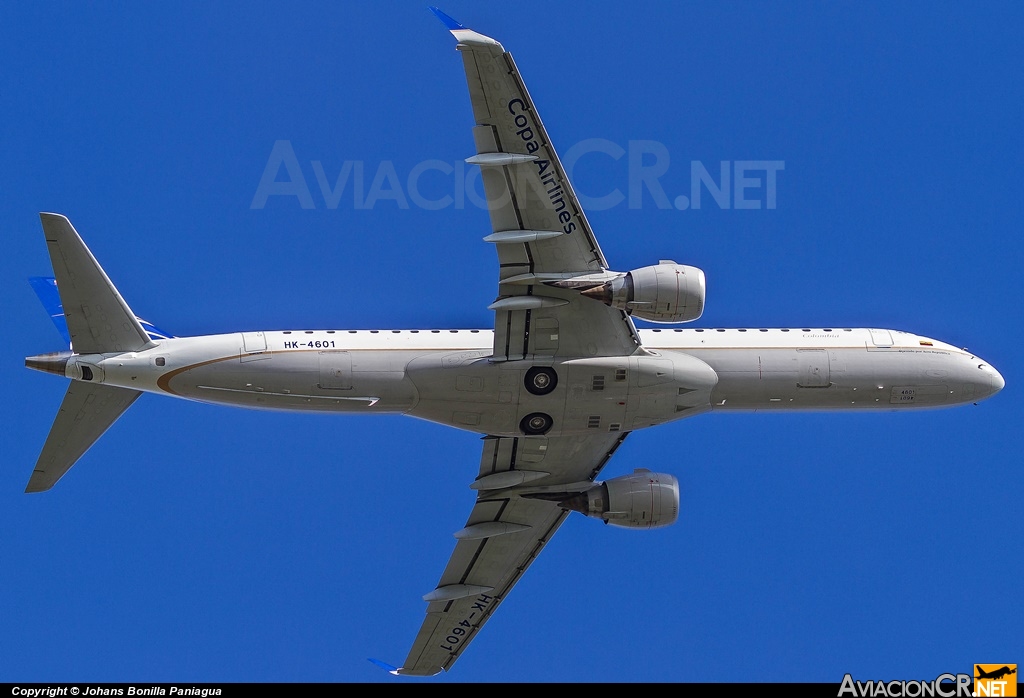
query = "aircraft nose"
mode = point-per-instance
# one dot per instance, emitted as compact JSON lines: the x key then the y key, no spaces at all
{"x":989,"y":381}
{"x":997,"y":381}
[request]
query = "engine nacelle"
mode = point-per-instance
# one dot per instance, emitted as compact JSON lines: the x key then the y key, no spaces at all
{"x":641,"y":500}
{"x":665,"y":292}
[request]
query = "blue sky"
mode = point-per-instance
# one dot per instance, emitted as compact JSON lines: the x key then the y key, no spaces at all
{"x":200,"y":543}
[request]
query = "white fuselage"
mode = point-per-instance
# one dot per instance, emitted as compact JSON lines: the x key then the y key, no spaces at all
{"x":447,"y":376}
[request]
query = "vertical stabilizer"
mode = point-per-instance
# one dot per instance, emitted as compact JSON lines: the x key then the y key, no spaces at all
{"x":88,"y":410}
{"x":98,"y":319}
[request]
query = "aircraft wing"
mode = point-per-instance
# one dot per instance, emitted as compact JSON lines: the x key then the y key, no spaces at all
{"x":503,"y":536}
{"x":547,"y":251}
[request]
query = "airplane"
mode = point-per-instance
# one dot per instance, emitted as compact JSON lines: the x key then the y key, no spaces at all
{"x":995,"y":673}
{"x":554,"y":388}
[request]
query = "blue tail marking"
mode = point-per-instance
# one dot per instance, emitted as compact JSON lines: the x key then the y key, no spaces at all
{"x":385,"y":666}
{"x":153,"y":331}
{"x":448,"y":21}
{"x":46,"y":288}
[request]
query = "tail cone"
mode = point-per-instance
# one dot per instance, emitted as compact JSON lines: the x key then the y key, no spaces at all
{"x":55,"y":362}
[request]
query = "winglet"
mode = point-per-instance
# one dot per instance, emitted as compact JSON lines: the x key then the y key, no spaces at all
{"x":463,"y":34}
{"x":446,"y":20}
{"x":384,"y":665}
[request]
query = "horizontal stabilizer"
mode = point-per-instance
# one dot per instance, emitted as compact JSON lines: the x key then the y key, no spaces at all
{"x":98,"y":319}
{"x":87,"y":412}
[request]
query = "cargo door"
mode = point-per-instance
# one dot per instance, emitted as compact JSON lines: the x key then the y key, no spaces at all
{"x":335,"y":370}
{"x":814,"y":372}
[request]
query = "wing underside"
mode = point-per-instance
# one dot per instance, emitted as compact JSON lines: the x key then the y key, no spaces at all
{"x":503,"y":536}
{"x":546,"y":248}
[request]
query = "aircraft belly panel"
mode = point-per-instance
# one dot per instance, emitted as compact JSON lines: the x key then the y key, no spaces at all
{"x":594,"y":395}
{"x":598,"y":395}
{"x":292,"y":381}
{"x":469,"y":391}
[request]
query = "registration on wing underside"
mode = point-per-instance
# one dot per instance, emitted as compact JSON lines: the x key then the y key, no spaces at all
{"x":502,"y":537}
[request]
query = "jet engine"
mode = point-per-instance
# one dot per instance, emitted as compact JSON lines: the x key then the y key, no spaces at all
{"x":665,"y":292}
{"x":641,"y":500}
